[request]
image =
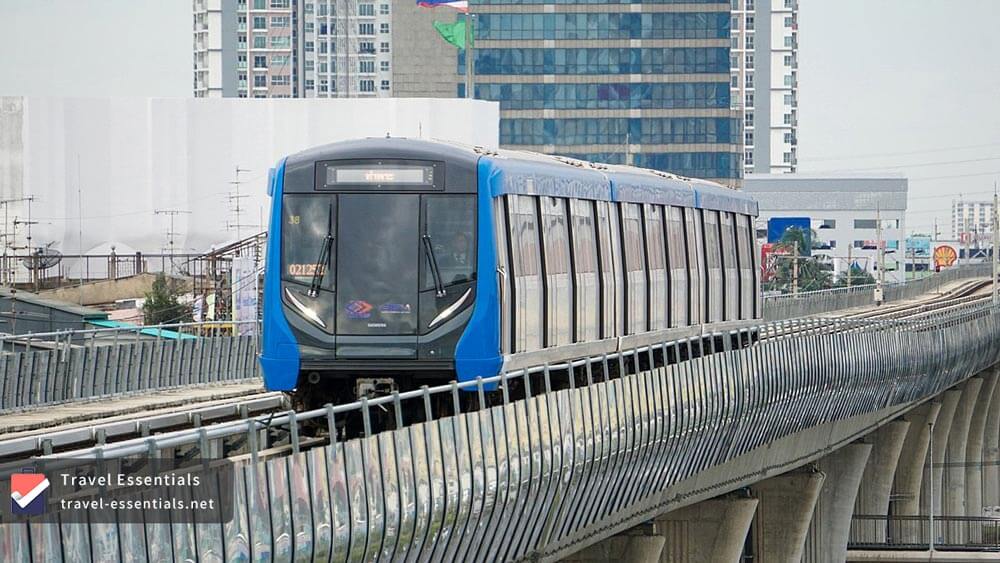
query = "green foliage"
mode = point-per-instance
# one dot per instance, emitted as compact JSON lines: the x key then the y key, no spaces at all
{"x":859,"y":276}
{"x":815,"y":272}
{"x":162,"y":306}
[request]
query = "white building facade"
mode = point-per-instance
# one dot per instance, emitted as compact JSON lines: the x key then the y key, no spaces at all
{"x":764,"y":82}
{"x":98,"y":170}
{"x":844,"y":213}
{"x":292,"y":48}
{"x":972,"y":220}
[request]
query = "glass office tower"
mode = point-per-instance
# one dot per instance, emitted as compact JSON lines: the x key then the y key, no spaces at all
{"x":645,"y":83}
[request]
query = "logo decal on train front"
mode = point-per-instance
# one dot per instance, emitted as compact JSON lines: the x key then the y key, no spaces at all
{"x":395,"y":309}
{"x":358,"y":309}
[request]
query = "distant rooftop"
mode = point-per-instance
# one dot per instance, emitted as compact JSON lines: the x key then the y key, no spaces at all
{"x":825,"y":183}
{"x":87,"y":313}
{"x":813,"y":192}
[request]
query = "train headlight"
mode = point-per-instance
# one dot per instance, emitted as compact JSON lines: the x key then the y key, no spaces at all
{"x":306,"y":311}
{"x":450,"y":309}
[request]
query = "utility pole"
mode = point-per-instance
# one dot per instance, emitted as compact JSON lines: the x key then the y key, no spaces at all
{"x":470,"y":57}
{"x":880,"y":281}
{"x":850,"y":264}
{"x":79,"y":225}
{"x":628,"y":148}
{"x":172,"y":213}
{"x":930,"y":483}
{"x":996,"y":242}
{"x":34,"y":258}
{"x":10,"y":237}
{"x":795,"y":268}
{"x":235,"y":198}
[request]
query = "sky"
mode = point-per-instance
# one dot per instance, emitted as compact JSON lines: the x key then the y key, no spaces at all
{"x":907,"y":86}
{"x":96,"y":48}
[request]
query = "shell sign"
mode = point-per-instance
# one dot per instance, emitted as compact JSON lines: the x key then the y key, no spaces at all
{"x":944,"y":256}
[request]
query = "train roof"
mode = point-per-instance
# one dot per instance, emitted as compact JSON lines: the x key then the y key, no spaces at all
{"x":530,"y":173}
{"x":522,"y":172}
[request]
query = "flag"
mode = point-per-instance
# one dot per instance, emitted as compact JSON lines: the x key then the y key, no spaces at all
{"x":453,"y":33}
{"x":460,"y":5}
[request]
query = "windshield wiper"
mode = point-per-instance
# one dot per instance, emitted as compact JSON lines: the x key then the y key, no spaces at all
{"x":322,"y":263}
{"x":429,"y":248}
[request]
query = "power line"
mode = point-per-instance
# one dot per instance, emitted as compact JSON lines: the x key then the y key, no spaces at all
{"x":917,"y":165}
{"x":234,"y":201}
{"x":172,"y":213}
{"x":953,"y":196}
{"x":146,"y":211}
{"x":949,"y":176}
{"x":905,"y":153}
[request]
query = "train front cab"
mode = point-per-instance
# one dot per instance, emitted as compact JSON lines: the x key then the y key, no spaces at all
{"x":374,"y":266}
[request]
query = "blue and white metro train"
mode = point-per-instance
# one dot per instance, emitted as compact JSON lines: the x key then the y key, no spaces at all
{"x":393,"y":263}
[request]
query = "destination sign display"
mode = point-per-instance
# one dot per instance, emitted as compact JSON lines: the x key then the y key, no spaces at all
{"x":379,"y":175}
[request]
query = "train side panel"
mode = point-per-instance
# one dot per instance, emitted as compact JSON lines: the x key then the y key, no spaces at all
{"x":279,"y":358}
{"x":478,"y":350}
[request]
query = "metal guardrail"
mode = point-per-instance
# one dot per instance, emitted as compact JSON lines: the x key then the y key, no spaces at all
{"x":534,"y":477}
{"x":138,"y":424}
{"x":956,"y":533}
{"x":806,"y":303}
{"x":71,"y":366}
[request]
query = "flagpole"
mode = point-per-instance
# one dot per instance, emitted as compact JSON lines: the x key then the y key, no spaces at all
{"x":469,"y":57}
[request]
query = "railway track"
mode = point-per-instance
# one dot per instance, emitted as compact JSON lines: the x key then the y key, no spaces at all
{"x":965,"y":294}
{"x":44,"y":441}
{"x":933,"y":303}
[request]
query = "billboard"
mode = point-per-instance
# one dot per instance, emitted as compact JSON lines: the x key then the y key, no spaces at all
{"x":945,"y":255}
{"x":918,"y":246}
{"x":777,"y":226}
{"x":243,"y":280}
{"x":769,"y":253}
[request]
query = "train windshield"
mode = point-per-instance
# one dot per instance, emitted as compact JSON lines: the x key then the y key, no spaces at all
{"x":306,"y":222}
{"x":448,"y":228}
{"x":387,"y":253}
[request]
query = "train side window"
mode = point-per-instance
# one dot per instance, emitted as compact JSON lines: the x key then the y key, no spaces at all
{"x":504,"y":272}
{"x":612,"y":287}
{"x":730,"y":268}
{"x":527,"y":274}
{"x":635,"y":268}
{"x":658,"y":280}
{"x":677,"y":258}
{"x":696,"y":264}
{"x":745,"y":256}
{"x":559,"y":285}
{"x":713,"y":260}
{"x":587,"y":287}
{"x":755,"y":264}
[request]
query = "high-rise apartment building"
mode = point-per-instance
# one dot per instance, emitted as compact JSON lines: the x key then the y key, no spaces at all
{"x":292,"y":48}
{"x":971,"y":219}
{"x":765,"y":82}
{"x":645,"y":84}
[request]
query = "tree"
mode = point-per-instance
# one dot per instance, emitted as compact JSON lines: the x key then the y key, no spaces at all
{"x":859,"y":276}
{"x":162,"y":305}
{"x":815,"y":272}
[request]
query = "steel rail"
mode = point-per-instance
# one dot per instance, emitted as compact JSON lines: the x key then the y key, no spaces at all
{"x":795,"y":327}
{"x":44,"y":441}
